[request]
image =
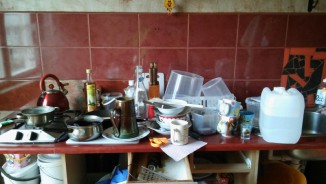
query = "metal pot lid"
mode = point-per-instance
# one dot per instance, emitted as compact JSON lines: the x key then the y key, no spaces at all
{"x":84,"y":121}
{"x":38,"y":110}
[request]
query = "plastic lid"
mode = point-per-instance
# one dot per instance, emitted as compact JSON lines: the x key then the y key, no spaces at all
{"x":131,"y":82}
{"x":88,"y":70}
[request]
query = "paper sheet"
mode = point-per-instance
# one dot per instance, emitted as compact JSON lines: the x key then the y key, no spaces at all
{"x":179,"y":152}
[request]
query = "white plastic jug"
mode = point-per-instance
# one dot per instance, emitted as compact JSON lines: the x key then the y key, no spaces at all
{"x":281,"y":115}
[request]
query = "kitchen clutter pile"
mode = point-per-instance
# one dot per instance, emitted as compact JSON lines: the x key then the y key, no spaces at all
{"x":186,"y":110}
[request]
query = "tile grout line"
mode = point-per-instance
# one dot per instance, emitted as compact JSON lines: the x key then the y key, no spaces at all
{"x":236,"y":53}
{"x":139,"y":59}
{"x":89,"y":42}
{"x":187,"y":48}
{"x":39,"y":43}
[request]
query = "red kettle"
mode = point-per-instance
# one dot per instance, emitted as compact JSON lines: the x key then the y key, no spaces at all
{"x":53,"y":97}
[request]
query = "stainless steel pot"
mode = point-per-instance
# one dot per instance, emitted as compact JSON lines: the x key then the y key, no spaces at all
{"x":39,"y":116}
{"x":85,"y":128}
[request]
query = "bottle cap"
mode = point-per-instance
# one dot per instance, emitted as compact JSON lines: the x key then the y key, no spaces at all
{"x":88,"y":70}
{"x":131,"y":82}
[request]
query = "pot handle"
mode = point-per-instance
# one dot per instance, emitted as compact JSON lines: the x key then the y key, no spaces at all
{"x":60,"y":84}
{"x":115,"y":119}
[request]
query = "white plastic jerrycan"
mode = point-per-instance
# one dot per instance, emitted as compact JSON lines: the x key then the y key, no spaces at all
{"x":281,"y":115}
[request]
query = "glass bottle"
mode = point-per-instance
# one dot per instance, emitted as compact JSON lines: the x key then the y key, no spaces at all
{"x":90,"y":92}
{"x":130,"y":90}
{"x":140,"y":94}
{"x":321,"y":94}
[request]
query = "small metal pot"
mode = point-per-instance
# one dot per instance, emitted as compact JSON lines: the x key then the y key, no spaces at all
{"x":85,"y":128}
{"x":39,"y":116}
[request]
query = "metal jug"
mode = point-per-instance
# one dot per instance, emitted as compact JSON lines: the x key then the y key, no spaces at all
{"x":123,"y":118}
{"x":53,"y":97}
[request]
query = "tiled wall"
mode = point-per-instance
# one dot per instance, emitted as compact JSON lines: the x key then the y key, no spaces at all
{"x":245,"y":49}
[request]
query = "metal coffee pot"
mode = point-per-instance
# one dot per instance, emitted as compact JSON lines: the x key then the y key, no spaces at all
{"x":123,"y":118}
{"x":53,"y":97}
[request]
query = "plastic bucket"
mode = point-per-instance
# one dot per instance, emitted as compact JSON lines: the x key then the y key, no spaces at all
{"x":29,"y":171}
{"x":50,"y":168}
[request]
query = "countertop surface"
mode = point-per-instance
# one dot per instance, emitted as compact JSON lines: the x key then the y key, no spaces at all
{"x":215,"y":142}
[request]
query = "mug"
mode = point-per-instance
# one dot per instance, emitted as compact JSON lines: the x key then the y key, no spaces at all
{"x":179,"y":132}
{"x":228,"y":125}
{"x":123,"y":118}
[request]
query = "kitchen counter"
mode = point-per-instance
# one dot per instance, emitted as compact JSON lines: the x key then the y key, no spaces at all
{"x":215,"y":143}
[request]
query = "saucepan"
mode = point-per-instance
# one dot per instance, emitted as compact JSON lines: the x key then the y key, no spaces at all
{"x":85,"y":127}
{"x":39,"y":116}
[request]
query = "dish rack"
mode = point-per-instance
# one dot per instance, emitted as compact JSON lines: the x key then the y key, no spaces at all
{"x":149,"y":175}
{"x":207,"y":101}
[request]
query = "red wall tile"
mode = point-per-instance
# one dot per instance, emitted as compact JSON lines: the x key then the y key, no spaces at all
{"x":259,"y":63}
{"x":114,"y":64}
{"x":65,"y":29}
{"x":212,"y":30}
{"x":20,"y":63}
{"x":66,"y":63}
{"x":18,"y":29}
{"x":160,"y":30}
{"x":212,"y":63}
{"x":114,"y":30}
{"x":262,"y":30}
{"x":307,"y":30}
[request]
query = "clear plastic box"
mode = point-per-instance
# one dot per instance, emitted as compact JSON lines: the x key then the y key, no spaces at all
{"x":183,"y":84}
{"x":253,"y":104}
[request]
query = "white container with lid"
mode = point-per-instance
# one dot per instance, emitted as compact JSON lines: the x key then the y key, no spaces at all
{"x":281,"y":115}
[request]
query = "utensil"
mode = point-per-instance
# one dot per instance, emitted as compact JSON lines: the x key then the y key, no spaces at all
{"x":39,"y":116}
{"x":154,"y":101}
{"x":53,"y":97}
{"x":153,"y":125}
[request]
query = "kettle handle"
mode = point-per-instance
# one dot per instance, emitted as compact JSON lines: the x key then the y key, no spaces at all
{"x":42,"y":82}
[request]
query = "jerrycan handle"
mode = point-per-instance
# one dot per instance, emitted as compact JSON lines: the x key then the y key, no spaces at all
{"x":115,"y":119}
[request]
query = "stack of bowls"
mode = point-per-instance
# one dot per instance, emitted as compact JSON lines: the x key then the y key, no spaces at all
{"x":167,"y":113}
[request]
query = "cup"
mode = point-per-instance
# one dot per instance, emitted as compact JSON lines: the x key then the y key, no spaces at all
{"x":179,"y":132}
{"x":246,"y":124}
{"x":183,"y":84}
{"x":123,"y":117}
{"x":228,"y":126}
{"x":216,"y":87}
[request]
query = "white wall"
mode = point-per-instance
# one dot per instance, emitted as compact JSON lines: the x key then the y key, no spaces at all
{"x":157,"y":5}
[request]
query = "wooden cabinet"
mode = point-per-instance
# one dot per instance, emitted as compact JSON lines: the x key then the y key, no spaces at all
{"x":168,"y":170}
{"x":242,"y":164}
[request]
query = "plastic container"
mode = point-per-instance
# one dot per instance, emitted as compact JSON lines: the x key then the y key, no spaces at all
{"x":17,"y":160}
{"x":108,"y":99}
{"x":216,"y":87}
{"x":253,"y":104}
{"x":50,"y":168}
{"x":204,"y":121}
{"x":183,"y":84}
{"x":281,"y":115}
{"x":130,"y":89}
{"x":29,"y":171}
